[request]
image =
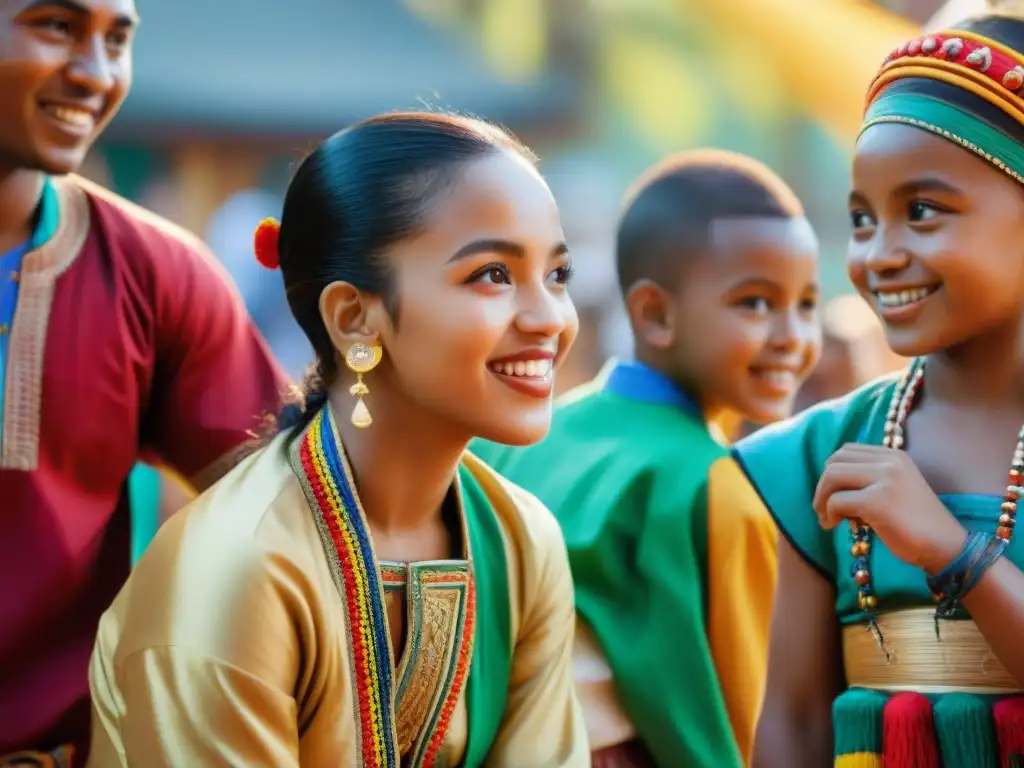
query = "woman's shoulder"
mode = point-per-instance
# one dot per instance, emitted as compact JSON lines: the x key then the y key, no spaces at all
{"x":236,"y":556}
{"x":235,"y":512}
{"x":524,"y":519}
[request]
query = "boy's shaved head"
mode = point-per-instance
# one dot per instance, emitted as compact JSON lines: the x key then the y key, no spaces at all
{"x":671,"y":211}
{"x":718,"y":267}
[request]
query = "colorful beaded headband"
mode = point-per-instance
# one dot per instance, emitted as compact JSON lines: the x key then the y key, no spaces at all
{"x":966,"y":60}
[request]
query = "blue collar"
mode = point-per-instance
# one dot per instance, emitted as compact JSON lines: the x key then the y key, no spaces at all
{"x":640,"y":382}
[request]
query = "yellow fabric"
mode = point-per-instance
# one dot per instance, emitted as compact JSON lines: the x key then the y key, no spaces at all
{"x":826,"y":51}
{"x":859,"y":760}
{"x":228,"y":645}
{"x":742,"y":571}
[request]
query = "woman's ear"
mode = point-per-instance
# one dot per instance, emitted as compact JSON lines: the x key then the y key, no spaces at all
{"x":346,"y":313}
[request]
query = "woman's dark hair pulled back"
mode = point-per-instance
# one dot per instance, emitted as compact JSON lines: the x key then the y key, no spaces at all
{"x":1009,"y":31}
{"x":358,"y":193}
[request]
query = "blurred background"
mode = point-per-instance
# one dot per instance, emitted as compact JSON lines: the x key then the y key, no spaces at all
{"x":229,"y":96}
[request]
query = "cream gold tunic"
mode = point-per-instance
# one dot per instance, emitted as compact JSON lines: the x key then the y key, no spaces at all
{"x":230,"y":645}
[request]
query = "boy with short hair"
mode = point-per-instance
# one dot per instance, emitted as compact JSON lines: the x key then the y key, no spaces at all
{"x":673,"y":559}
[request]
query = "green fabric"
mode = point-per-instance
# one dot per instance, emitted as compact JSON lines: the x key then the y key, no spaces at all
{"x":963,"y":725}
{"x":941,"y":118}
{"x":784,"y":462}
{"x":144,"y":499}
{"x":965,"y":730}
{"x":491,"y":667}
{"x":857,"y":717}
{"x":626,"y":481}
{"x":49,"y":216}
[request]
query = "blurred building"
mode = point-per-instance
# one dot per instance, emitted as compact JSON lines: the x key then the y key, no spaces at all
{"x":258,"y":84}
{"x":228,"y":97}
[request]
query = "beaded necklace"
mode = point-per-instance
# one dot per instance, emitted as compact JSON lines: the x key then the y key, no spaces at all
{"x":903,"y":400}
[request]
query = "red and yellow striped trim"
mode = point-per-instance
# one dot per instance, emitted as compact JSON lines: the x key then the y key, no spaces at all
{"x":322,"y":467}
{"x":973,"y":62}
{"x":329,"y":484}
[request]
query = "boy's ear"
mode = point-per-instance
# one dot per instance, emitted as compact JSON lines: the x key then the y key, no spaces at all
{"x":651,"y":313}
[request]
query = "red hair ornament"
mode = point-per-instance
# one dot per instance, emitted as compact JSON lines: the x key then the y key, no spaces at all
{"x":265,"y":243}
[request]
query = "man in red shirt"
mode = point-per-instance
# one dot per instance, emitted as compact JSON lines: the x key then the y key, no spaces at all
{"x":120,"y":339}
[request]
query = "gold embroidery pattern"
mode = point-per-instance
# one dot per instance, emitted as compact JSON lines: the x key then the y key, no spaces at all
{"x":437,"y":606}
{"x":393,"y":576}
{"x":38,"y":279}
{"x":437,"y":596}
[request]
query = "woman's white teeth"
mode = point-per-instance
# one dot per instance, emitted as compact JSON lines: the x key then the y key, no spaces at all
{"x":80,"y":118}
{"x":902,"y":298}
{"x":531,"y":369}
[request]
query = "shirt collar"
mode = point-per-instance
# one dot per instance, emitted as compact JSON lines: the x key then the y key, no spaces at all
{"x":641,"y":382}
{"x":49,"y":216}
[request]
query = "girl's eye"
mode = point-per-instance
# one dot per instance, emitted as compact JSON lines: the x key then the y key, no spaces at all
{"x":920,"y":211}
{"x":494,"y":274}
{"x":562,"y":274}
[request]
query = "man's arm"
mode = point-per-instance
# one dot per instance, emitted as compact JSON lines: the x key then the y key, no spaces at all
{"x":215,"y":381}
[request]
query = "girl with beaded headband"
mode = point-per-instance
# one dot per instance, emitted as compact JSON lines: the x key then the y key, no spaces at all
{"x":896,"y":637}
{"x":362,"y":591}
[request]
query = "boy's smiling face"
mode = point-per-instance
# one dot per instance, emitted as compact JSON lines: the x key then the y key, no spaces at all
{"x":745,"y":332}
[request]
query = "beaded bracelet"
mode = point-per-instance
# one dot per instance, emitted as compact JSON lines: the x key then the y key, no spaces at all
{"x":953,"y":582}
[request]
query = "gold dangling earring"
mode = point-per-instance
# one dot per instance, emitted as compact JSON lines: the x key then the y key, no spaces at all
{"x":360,"y":359}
